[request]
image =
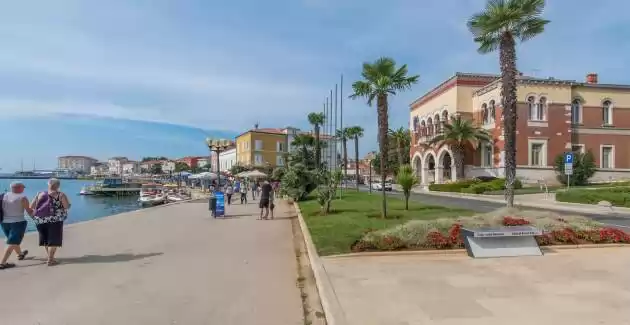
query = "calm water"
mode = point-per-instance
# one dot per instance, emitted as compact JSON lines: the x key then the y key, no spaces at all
{"x":83,"y":207}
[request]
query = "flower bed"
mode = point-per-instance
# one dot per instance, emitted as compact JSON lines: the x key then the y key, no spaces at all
{"x":445,"y":233}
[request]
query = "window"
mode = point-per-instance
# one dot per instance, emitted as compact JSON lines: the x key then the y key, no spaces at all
{"x":607,"y":157}
{"x":487,"y":152}
{"x":485,"y":115}
{"x":279,"y":161}
{"x":577,"y":148}
{"x":246,"y":145}
{"x":258,"y":145}
{"x":492,"y":111}
{"x":258,"y":159}
{"x":538,"y":152}
{"x":576,"y":111}
{"x":541,"y":109}
{"x":531,"y":106}
{"x":279,"y":146}
{"x":607,"y":112}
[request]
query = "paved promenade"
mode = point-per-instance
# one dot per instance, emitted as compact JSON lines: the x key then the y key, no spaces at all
{"x":166,"y":265}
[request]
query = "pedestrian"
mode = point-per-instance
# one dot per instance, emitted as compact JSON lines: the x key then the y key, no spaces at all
{"x":244,"y":193}
{"x":51,"y":210}
{"x":228,"y":193}
{"x":265,"y":199}
{"x":14,"y":204}
{"x":272,"y":196}
{"x":254,"y":190}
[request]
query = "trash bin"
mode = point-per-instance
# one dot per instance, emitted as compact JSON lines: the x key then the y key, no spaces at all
{"x":212,"y":205}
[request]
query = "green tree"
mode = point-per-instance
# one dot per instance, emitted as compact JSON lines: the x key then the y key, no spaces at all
{"x":277,"y":173}
{"x":499,"y":26}
{"x":153,"y":158}
{"x":305,"y":152}
{"x":181,"y":167}
{"x":458,"y":133}
{"x":342,"y":134}
{"x":236,"y":169}
{"x":407,"y":179}
{"x":380,"y":80}
{"x":316,"y":120}
{"x":355,"y":132}
{"x":402,"y":138}
{"x":156,"y":169}
{"x":583,"y":168}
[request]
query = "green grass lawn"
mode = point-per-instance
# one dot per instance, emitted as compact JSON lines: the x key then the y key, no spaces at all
{"x":359,"y":212}
{"x":552,"y":189}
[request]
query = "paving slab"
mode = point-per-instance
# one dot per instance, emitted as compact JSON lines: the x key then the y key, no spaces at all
{"x":166,"y":265}
{"x":578,"y":287}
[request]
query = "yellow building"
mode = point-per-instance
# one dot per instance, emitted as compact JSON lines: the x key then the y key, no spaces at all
{"x":262,"y":147}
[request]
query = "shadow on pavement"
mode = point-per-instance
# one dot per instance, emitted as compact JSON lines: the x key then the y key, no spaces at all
{"x":86,"y":259}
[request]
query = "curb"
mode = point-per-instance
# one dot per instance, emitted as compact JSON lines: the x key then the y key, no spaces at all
{"x":332,"y":308}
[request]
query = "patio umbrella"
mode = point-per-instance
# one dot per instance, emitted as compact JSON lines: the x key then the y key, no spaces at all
{"x":256,"y":174}
{"x":243,"y":174}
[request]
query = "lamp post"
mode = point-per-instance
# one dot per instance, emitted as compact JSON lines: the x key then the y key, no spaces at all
{"x":217,"y":146}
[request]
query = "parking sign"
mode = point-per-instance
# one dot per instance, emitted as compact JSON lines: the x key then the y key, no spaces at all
{"x":568,"y":158}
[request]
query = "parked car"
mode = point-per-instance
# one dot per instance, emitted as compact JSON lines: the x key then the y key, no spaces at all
{"x":379,"y":187}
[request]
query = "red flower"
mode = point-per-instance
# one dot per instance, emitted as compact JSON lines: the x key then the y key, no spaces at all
{"x":514,"y":221}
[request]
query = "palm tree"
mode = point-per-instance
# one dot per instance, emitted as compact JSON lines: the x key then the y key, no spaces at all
{"x":401,"y":138}
{"x":382,"y":79}
{"x":459,"y":133}
{"x":407,"y":180}
{"x":498,"y":27}
{"x":342,"y":134}
{"x":355,"y":132}
{"x":316,"y":120}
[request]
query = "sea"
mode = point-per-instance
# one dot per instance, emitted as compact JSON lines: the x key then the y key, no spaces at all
{"x":83,"y":207}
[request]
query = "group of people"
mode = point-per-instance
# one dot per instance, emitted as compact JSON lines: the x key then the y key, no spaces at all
{"x":48,"y":210}
{"x":265,"y":191}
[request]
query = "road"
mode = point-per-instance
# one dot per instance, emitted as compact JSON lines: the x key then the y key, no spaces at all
{"x":619,"y":220}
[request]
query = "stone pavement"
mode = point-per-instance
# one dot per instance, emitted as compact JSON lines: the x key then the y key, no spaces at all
{"x":165,"y":265}
{"x":577,"y":287}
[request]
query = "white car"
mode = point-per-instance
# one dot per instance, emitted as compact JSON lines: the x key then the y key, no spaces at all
{"x":379,"y":187}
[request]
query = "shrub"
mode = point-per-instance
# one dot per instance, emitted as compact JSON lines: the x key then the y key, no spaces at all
{"x":617,"y":196}
{"x":583,"y":168}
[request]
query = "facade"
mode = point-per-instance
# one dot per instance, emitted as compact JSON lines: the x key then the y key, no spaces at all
{"x":168,"y":166}
{"x":131,"y":168}
{"x":227,"y":159}
{"x":555,"y":116}
{"x":202,"y":162}
{"x":77,"y":164}
{"x":116,"y":165}
{"x":146,"y":166}
{"x":192,"y":162}
{"x":99,"y":169}
{"x":262,"y":147}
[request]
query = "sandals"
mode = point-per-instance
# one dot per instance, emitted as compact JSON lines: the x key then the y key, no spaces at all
{"x":22,"y":256}
{"x":6,"y":266}
{"x":52,"y":262}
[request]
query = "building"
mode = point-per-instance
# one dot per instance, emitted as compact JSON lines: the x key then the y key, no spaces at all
{"x":261,"y":147}
{"x":131,"y":168}
{"x":203,"y":162}
{"x":116,"y":165}
{"x":227,"y":159}
{"x":76,"y":164}
{"x":168,"y":166}
{"x":192,"y":162}
{"x":555,"y":116}
{"x":99,"y":169}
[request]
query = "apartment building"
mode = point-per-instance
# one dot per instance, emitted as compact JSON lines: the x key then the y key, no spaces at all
{"x":116,"y":165}
{"x":99,"y":169}
{"x":555,"y":116}
{"x":262,"y":147}
{"x":131,"y":168}
{"x":76,"y":164}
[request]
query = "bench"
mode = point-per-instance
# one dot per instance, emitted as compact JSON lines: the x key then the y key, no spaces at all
{"x":501,"y":241}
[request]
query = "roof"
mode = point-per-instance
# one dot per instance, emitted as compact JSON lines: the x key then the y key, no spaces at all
{"x":264,"y":130}
{"x":473,"y":79}
{"x":75,"y":157}
{"x":551,"y":81}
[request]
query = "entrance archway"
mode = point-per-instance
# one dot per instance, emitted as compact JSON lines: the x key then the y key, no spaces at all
{"x":446,"y":166}
{"x":429,"y":168}
{"x":417,"y":167}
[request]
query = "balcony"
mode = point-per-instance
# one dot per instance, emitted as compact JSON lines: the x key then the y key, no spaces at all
{"x":426,"y":134}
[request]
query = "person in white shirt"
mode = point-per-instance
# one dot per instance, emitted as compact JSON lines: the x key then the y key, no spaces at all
{"x":14,"y":204}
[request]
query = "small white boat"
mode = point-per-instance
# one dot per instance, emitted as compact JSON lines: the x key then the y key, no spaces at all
{"x":85,"y":191}
{"x":152,"y":200}
{"x":174,"y":198}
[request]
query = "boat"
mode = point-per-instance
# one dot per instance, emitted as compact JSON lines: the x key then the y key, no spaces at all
{"x":113,"y":186}
{"x":175,"y":198}
{"x":152,"y":200}
{"x":86,"y":191}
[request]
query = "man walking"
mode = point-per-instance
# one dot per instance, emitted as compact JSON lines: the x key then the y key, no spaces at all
{"x":265,"y":198}
{"x":254,"y":190}
{"x":14,"y":204}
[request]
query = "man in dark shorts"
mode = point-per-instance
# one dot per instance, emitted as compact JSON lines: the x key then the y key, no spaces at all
{"x":265,"y":194}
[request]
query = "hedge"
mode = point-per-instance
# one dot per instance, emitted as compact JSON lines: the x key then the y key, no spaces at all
{"x":617,"y":196}
{"x":474,"y":186}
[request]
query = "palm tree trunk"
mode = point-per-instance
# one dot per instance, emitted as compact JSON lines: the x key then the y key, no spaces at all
{"x":356,"y":160}
{"x":458,"y":160}
{"x":318,"y":150}
{"x":507,"y":58}
{"x":383,"y":127}
{"x":400,"y":153}
{"x":344,"y":143}
{"x":407,"y":200}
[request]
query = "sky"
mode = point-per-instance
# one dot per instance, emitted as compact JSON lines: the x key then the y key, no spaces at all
{"x":155,"y":77}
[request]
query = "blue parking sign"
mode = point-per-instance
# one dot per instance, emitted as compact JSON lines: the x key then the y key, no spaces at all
{"x":568,"y":158}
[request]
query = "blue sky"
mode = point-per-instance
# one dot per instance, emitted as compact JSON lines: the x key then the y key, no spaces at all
{"x":77,"y":77}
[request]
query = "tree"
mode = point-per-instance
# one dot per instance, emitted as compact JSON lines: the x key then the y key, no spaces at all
{"x":236,"y":169}
{"x":459,"y":133}
{"x":583,"y":168}
{"x":181,"y":166}
{"x":277,"y":173}
{"x":153,"y":158}
{"x":407,"y":180}
{"x":498,"y":27}
{"x":317,"y":119}
{"x":342,"y":134}
{"x":156,"y":169}
{"x":305,"y":153}
{"x":381,"y":79}
{"x":402,"y":139}
{"x":355,"y":132}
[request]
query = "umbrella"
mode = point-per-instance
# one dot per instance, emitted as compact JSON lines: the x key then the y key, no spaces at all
{"x":207,"y":175}
{"x":243,"y":174}
{"x":256,"y":174}
{"x":185,"y":173}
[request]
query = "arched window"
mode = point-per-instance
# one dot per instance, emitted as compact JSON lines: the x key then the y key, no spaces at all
{"x":436,"y":121}
{"x":445,"y":117}
{"x":607,"y":111}
{"x":484,"y":114}
{"x":531,"y":105}
{"x":541,"y":109}
{"x":430,"y":126}
{"x":576,"y":111}
{"x":415,"y":123}
{"x":492,"y":110}
{"x":423,"y":128}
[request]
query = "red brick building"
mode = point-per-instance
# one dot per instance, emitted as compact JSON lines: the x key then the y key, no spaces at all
{"x":555,"y":116}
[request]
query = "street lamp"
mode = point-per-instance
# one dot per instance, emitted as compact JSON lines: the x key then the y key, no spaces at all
{"x":218,"y":145}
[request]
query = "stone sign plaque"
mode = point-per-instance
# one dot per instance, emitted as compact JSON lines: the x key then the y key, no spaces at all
{"x":502,"y":241}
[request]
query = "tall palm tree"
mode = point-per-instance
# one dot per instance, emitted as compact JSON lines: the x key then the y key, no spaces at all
{"x":356,"y":132}
{"x":317,"y":119}
{"x":459,"y":133}
{"x":401,"y":138}
{"x":381,"y":79}
{"x":499,"y":26}
{"x":342,"y":134}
